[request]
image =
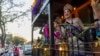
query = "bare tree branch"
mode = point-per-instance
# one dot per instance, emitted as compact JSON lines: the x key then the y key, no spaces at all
{"x":17,"y":16}
{"x":8,"y":15}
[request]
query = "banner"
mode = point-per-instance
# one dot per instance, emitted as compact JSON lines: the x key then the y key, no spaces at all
{"x":36,"y":6}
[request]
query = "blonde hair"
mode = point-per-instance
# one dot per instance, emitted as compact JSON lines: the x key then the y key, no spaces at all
{"x":68,"y":7}
{"x":57,"y":19}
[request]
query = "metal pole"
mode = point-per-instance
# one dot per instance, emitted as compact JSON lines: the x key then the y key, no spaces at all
{"x":32,"y":33}
{"x":40,"y":11}
{"x":51,"y":28}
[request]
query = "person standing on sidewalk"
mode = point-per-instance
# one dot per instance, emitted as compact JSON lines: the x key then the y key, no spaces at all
{"x":16,"y":51}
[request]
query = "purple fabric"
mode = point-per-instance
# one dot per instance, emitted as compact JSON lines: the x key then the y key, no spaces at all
{"x":75,"y":30}
{"x":36,"y":8}
{"x":46,"y":30}
{"x":57,"y":34}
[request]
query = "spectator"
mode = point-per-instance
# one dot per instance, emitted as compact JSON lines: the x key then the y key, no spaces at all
{"x":16,"y":51}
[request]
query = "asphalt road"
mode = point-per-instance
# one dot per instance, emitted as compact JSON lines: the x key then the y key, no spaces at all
{"x":21,"y":53}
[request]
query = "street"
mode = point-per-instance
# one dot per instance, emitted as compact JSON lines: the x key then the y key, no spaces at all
{"x":10,"y":53}
{"x":21,"y":53}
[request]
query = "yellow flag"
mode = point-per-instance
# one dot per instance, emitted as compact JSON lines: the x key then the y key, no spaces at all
{"x":34,"y":3}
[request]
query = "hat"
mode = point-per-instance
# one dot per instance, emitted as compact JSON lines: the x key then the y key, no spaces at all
{"x":68,"y":7}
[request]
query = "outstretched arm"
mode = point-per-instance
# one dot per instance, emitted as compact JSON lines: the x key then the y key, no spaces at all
{"x":96,"y":10}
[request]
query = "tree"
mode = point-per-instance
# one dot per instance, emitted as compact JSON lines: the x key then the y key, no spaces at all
{"x":9,"y":14}
{"x":9,"y":39}
{"x":18,"y":40}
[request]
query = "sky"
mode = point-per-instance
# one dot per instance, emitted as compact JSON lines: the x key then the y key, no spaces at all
{"x":22,"y":28}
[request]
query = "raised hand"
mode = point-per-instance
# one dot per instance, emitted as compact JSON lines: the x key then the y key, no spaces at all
{"x":94,"y":3}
